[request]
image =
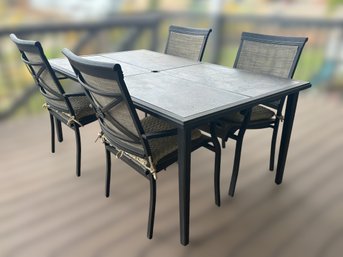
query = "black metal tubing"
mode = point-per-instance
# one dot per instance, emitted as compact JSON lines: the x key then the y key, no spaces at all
{"x":217,"y":150}
{"x":59,"y":130}
{"x":184,"y":162}
{"x":152,"y":207}
{"x":52,"y":126}
{"x":286,"y":135}
{"x":273,"y":144}
{"x":273,"y":123}
{"x":186,"y":146}
{"x":34,"y":47}
{"x":238,"y":152}
{"x":78,"y":151}
{"x":108,"y":172}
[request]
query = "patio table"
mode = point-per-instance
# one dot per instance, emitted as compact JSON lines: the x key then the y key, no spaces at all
{"x":190,"y":94}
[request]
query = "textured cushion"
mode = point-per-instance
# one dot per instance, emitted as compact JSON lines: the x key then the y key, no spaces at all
{"x":258,"y":113}
{"x":81,"y":106}
{"x":161,"y":147}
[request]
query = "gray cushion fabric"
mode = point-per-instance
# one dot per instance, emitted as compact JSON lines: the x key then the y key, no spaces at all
{"x":258,"y":113}
{"x":161,"y":147}
{"x":81,"y":106}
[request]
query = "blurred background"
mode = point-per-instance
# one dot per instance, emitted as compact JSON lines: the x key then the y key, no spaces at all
{"x":46,"y":211}
{"x":108,"y":25}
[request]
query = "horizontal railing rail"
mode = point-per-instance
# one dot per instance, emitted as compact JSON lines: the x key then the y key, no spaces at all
{"x":221,"y":49}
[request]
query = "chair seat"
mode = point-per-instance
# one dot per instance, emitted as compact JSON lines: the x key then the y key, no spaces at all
{"x":80,"y":105}
{"x":258,"y":113}
{"x":161,"y":147}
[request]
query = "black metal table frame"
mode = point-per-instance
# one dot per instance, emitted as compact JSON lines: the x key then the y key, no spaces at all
{"x":184,"y":139}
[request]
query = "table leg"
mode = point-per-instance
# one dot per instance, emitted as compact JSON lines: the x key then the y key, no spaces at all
{"x":286,"y":135}
{"x":184,"y":161}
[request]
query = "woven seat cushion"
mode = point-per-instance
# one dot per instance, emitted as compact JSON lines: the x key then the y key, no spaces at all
{"x":80,"y":104}
{"x":161,"y":147}
{"x":258,"y":113}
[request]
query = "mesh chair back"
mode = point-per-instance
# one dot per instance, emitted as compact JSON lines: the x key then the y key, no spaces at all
{"x":272,"y":55}
{"x":33,"y":56}
{"x":107,"y":92}
{"x":189,"y":43}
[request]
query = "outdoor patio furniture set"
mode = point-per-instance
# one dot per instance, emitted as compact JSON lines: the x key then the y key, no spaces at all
{"x":195,"y":104}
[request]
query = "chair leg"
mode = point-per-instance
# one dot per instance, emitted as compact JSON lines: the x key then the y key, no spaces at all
{"x":236,"y":164}
{"x":59,"y":130}
{"x":52,"y":126}
{"x":78,"y":151}
{"x":273,"y":145}
{"x":152,"y":206}
{"x":217,"y":151}
{"x":238,"y":152}
{"x":108,"y":173}
{"x":217,"y":174}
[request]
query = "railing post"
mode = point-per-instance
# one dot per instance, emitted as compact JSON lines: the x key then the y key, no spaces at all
{"x":154,"y":37}
{"x":218,"y":30}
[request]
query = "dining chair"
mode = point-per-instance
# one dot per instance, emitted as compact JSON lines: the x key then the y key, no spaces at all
{"x":263,"y":54}
{"x":148,"y":145}
{"x":186,"y":42}
{"x":70,"y":107}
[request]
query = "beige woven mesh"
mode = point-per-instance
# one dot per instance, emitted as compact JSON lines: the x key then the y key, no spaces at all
{"x":271,"y":59}
{"x":119,"y":113}
{"x":185,"y":45}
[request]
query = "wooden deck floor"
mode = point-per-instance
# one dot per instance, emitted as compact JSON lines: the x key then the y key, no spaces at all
{"x":46,"y":211}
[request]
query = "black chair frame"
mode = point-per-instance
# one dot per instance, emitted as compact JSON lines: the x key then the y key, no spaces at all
{"x":277,"y":105}
{"x":57,"y":115}
{"x":112,"y":142}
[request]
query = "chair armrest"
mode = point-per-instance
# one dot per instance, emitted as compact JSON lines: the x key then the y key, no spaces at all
{"x":159,"y":134}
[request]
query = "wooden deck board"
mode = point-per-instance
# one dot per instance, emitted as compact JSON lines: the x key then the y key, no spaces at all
{"x":45,"y":210}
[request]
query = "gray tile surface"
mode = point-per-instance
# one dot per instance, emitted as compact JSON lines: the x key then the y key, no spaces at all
{"x":63,"y":65}
{"x":233,"y":80}
{"x":179,"y":96}
{"x":186,"y":90}
{"x":150,"y":60}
